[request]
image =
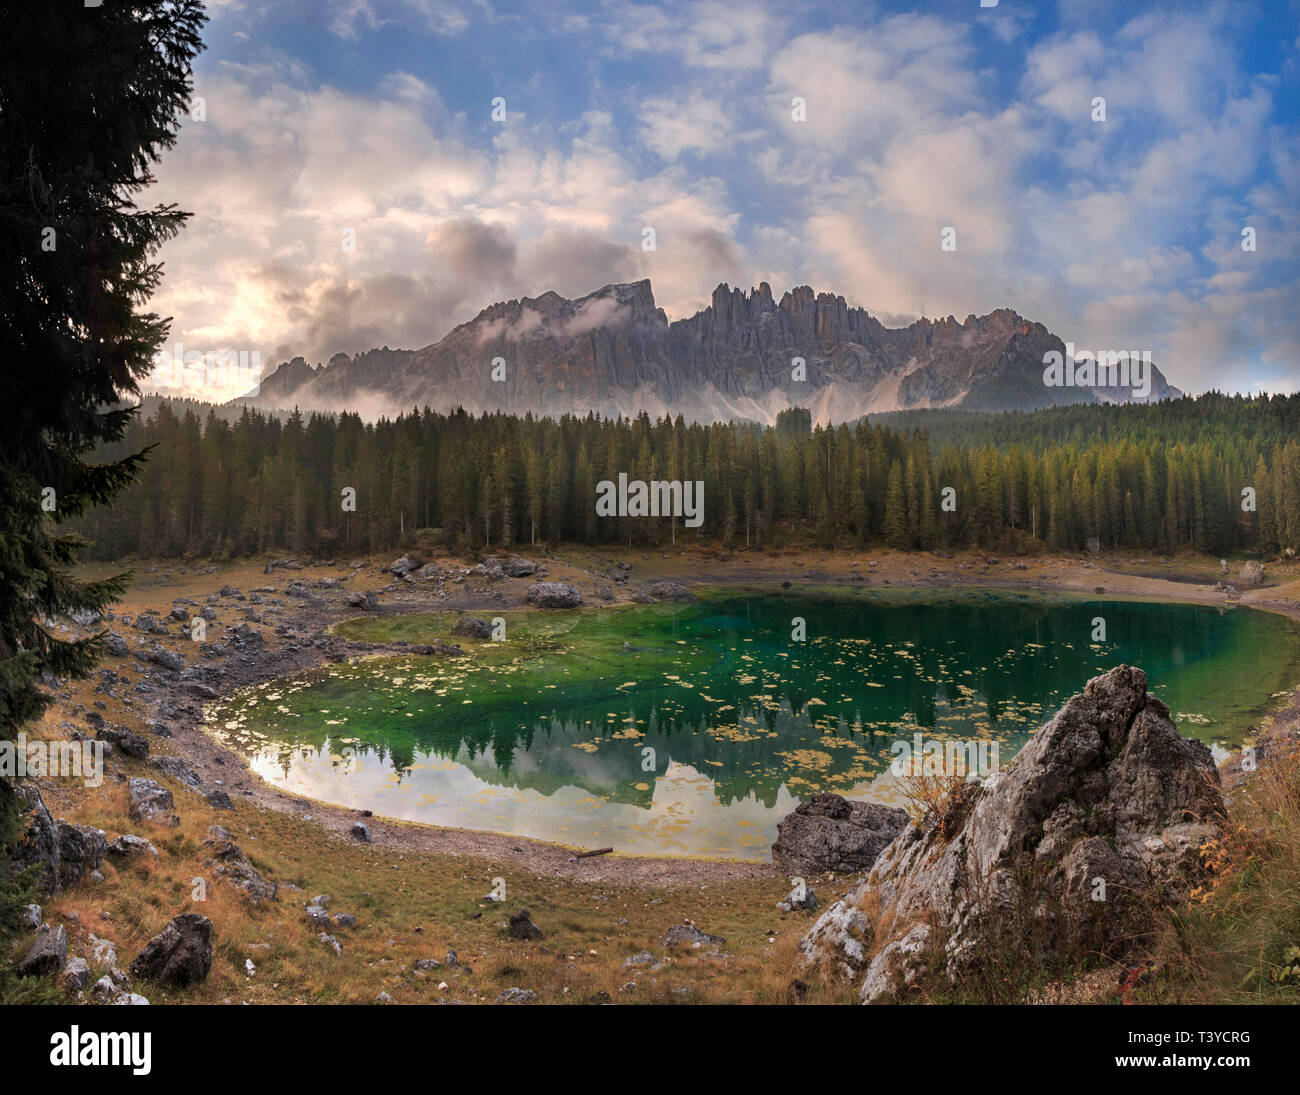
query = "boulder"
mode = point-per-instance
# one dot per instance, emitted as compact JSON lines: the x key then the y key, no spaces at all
{"x":691,"y":936}
{"x":830,"y":833}
{"x":243,"y":635}
{"x":48,"y":954}
{"x":132,"y":744}
{"x":65,"y":853}
{"x":75,"y":975}
{"x":149,"y":801}
{"x":522,"y":927}
{"x":1252,"y":574}
{"x":403,"y":566}
{"x":39,"y":842}
{"x":553,"y":595}
{"x":516,"y":566}
{"x":180,"y":954}
{"x":126,"y":846}
{"x":116,"y":645}
{"x":668,"y":591}
{"x":228,"y":862}
{"x":103,"y":952}
{"x":161,"y":656}
{"x":81,"y":852}
{"x":516,"y":995}
{"x":800,"y":899}
{"x":361,"y":831}
{"x":365,"y":599}
{"x":1106,"y":794}
{"x":317,"y":915}
{"x":179,"y":769}
{"x":472,"y":627}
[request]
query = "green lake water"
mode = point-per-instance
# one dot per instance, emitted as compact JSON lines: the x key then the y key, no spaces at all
{"x":716,"y":722}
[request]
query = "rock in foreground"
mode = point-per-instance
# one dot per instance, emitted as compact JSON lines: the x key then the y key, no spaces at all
{"x":180,"y":954}
{"x":830,"y":833}
{"x":1076,"y":843}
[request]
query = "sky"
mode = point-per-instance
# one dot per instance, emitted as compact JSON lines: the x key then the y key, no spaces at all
{"x":476,"y":151}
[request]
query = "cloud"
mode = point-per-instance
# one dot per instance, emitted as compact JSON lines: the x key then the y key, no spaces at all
{"x":677,"y":117}
{"x":671,"y":126}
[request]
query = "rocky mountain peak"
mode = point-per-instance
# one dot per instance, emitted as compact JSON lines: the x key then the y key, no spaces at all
{"x":613,"y":351}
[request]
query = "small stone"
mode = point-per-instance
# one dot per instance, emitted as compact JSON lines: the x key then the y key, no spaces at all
{"x":515,"y":995}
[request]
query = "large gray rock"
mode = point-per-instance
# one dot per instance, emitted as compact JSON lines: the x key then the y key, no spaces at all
{"x":47,"y":954}
{"x":229,"y":863}
{"x":553,"y":595}
{"x":516,"y":566}
{"x":181,"y":769}
{"x":689,"y":935}
{"x":830,"y":833}
{"x":180,"y":954}
{"x":1105,"y":801}
{"x":39,"y":842}
{"x":472,"y":627}
{"x":168,"y":659}
{"x":1251,"y":574}
{"x":65,"y":853}
{"x":81,"y":851}
{"x":131,"y":743}
{"x":668,"y":591}
{"x":403,"y":566}
{"x":75,"y":975}
{"x":362,"y":599}
{"x":126,"y":846}
{"x":150,"y":801}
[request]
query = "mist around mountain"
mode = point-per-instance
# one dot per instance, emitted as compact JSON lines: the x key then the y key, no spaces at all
{"x":745,"y":356}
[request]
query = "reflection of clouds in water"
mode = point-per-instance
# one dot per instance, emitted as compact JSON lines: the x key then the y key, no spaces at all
{"x":763,"y":723}
{"x":683,"y":816}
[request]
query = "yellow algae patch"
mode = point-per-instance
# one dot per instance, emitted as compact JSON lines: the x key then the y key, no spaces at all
{"x":806,"y":758}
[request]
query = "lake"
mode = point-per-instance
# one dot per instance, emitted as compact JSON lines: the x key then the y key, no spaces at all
{"x":693,"y":729}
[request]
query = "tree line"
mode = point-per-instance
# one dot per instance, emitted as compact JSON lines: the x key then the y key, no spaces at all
{"x":323,"y":484}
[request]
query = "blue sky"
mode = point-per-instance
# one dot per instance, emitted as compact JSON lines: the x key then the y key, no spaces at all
{"x":375,"y":117}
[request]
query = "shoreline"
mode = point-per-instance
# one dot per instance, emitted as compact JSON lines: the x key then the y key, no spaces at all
{"x":280,"y":654}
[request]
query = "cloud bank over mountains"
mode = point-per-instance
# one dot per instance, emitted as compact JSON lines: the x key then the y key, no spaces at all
{"x":375,"y":119}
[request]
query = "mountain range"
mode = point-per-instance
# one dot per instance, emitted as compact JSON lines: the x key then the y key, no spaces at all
{"x":614,"y":352}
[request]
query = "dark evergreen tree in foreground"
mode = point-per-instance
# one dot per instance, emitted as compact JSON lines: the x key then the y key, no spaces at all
{"x":89,"y":97}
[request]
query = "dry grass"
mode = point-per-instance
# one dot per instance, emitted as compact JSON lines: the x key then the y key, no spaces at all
{"x":1236,"y":940}
{"x":412,"y":905}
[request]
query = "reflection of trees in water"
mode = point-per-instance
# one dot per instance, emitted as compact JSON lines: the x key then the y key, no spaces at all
{"x":985,"y":669}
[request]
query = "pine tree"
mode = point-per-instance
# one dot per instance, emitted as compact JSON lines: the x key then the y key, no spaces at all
{"x":896,"y":510}
{"x":89,"y":97}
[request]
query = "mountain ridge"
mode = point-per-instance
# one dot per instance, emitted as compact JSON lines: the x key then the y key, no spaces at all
{"x":614,"y":351}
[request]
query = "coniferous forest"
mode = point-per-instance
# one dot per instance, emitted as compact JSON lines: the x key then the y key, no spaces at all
{"x":1159,"y":477}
